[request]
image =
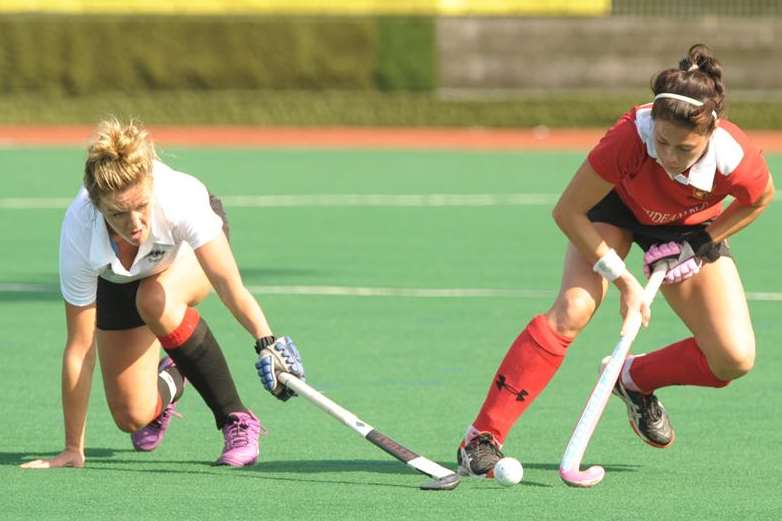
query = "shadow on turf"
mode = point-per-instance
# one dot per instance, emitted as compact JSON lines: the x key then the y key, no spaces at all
{"x":310,"y":467}
{"x":390,"y":467}
{"x":102,"y":460}
{"x":105,"y":459}
{"x":616,"y":467}
{"x":276,"y":467}
{"x":316,"y":466}
{"x":301,"y":471}
{"x":17,"y":458}
{"x":386,"y":467}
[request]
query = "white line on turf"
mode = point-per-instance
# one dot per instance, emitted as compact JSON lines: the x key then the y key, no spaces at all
{"x":17,"y":287}
{"x":354,"y":291}
{"x":34,"y":203}
{"x":331,"y":200}
{"x":325,"y":200}
{"x":351,"y":291}
{"x":424,"y":200}
{"x":764,"y":296}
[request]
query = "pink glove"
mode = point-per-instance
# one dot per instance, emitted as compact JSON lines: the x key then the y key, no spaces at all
{"x":685,"y":264}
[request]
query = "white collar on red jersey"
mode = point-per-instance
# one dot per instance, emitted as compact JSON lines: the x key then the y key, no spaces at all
{"x":723,"y":154}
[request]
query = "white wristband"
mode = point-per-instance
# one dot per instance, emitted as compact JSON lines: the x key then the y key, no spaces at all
{"x":610,"y":266}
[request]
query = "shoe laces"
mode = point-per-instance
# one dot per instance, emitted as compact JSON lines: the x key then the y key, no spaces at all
{"x":164,"y":417}
{"x":485,"y":447}
{"x":649,"y":408}
{"x":237,"y":433}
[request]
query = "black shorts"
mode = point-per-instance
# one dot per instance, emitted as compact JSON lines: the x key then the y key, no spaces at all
{"x":612,"y":210}
{"x":115,"y":304}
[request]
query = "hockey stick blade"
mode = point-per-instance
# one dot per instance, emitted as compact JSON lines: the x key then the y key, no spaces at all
{"x":447,"y":483}
{"x":570,"y":465}
{"x":443,"y":478}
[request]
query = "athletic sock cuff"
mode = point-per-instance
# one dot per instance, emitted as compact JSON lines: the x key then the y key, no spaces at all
{"x":183,"y":332}
{"x":681,"y":363}
{"x":550,"y":340}
{"x":709,"y":378}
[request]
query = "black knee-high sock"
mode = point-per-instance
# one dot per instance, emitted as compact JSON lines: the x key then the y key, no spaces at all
{"x":170,"y":385}
{"x":199,"y":358}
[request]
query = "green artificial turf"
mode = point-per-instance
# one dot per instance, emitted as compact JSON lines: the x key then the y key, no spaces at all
{"x":415,"y":368}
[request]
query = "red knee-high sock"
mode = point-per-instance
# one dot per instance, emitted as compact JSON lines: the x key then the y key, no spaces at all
{"x":682,"y":363}
{"x":530,"y":363}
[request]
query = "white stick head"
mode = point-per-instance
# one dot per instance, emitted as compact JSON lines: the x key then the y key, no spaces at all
{"x":583,"y":478}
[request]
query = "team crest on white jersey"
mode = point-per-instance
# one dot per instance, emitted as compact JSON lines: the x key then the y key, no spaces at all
{"x":154,"y":256}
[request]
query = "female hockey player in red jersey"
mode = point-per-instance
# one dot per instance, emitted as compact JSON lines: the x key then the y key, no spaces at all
{"x":657,"y":178}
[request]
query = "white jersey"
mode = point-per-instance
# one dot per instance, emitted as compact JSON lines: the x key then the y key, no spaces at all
{"x":180,"y":213}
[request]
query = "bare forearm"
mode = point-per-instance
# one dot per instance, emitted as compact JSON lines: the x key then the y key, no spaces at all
{"x":570,"y":212}
{"x":246,"y":310}
{"x":582,"y":234}
{"x":220,"y":267}
{"x":737,"y":216}
{"x":734,"y":218}
{"x":77,"y":368}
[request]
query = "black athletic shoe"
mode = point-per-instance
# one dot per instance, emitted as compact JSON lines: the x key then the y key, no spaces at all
{"x":647,"y":415}
{"x":478,"y":456}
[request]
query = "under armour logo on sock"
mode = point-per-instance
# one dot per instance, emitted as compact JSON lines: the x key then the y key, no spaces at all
{"x":503,"y":384}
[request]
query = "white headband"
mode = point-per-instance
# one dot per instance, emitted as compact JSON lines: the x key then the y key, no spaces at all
{"x":686,"y":99}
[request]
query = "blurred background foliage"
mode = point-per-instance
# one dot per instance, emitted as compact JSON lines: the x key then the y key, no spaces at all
{"x":499,"y":63}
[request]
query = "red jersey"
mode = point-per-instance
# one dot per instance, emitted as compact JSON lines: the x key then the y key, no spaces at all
{"x":626,"y":157}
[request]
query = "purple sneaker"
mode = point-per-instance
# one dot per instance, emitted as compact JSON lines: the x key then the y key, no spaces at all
{"x":149,"y":437}
{"x":241,"y":433}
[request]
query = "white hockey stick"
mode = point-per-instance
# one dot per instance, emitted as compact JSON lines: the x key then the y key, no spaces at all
{"x":569,"y":467}
{"x":443,"y":478}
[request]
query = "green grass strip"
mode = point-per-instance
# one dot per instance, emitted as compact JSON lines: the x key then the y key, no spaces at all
{"x":349,"y":108}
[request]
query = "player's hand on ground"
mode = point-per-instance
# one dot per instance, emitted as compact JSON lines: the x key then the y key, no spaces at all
{"x":631,"y":301}
{"x":67,"y":458}
{"x":683,"y":261}
{"x":280,"y":357}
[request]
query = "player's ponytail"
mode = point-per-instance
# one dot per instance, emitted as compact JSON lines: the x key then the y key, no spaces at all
{"x":120,"y":156}
{"x":692,"y":95}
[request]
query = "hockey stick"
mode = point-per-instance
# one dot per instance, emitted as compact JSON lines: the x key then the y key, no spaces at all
{"x":569,"y":467}
{"x":442,"y":478}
